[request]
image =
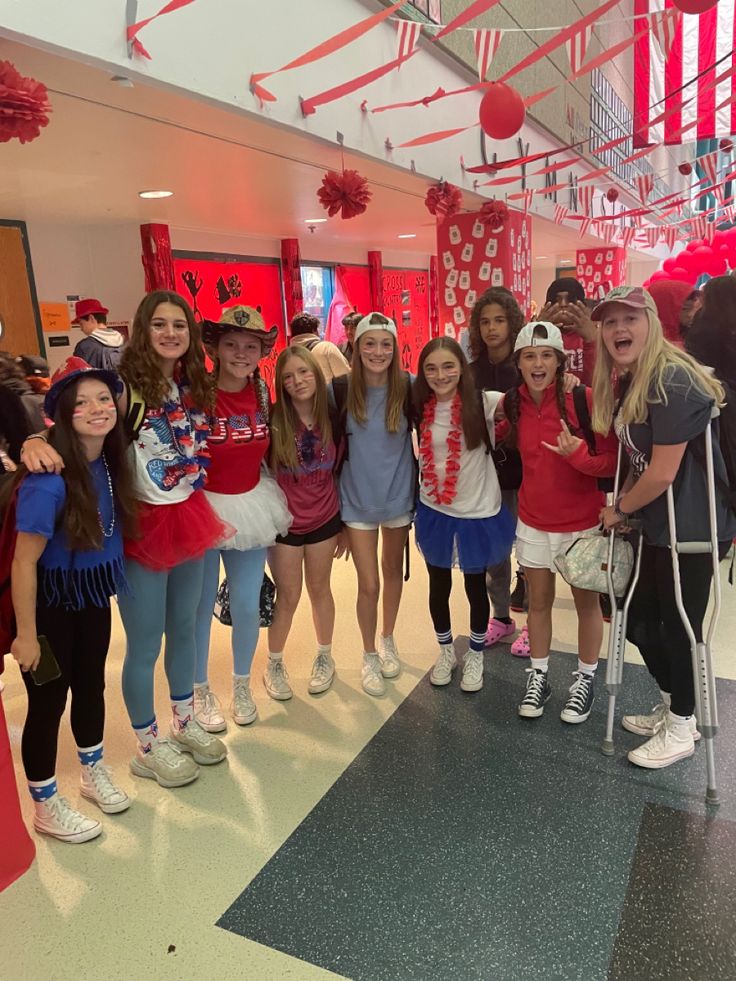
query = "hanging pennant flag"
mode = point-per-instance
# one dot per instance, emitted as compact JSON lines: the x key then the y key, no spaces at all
{"x":709,"y":164}
{"x":638,"y":220}
{"x":486,"y":46}
{"x":408,"y":31}
{"x":699,"y":227}
{"x":585,"y":225}
{"x":669,"y":234}
{"x":474,"y":10}
{"x":644,"y":185}
{"x":627,"y":235}
{"x":528,"y":195}
{"x":652,"y":236}
{"x":576,"y":47}
{"x":663,"y":27}
{"x":560,"y":214}
{"x":609,"y":231}
{"x":585,"y":198}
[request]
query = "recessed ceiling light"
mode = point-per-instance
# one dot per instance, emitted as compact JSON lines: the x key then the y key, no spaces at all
{"x":408,"y":235}
{"x":155,"y":194}
{"x":541,"y":257}
{"x":565,"y":262}
{"x":314,"y":221}
{"x":123,"y":81}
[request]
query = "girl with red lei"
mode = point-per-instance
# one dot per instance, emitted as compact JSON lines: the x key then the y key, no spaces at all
{"x":460,"y":519}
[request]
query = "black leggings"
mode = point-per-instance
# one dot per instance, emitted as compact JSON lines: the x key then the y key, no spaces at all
{"x":440,"y":587}
{"x":79,"y":640}
{"x":654,"y":624}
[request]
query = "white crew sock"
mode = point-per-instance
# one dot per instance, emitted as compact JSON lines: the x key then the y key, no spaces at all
{"x":540,"y":663}
{"x":587,"y":668}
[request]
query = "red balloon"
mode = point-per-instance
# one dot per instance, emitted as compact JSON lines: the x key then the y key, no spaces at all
{"x":694,"y":6}
{"x":501,"y":112}
{"x":730,"y":234}
{"x":726,"y":145}
{"x":719,"y":237}
{"x":703,"y":252}
{"x":660,"y":274}
{"x":669,"y":264}
{"x":612,"y":194}
{"x":682,"y":274}
{"x":694,"y":244}
{"x":716,"y":266}
{"x":685,"y":169}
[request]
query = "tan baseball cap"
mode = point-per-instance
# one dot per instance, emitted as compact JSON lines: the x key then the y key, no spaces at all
{"x":631,"y":296}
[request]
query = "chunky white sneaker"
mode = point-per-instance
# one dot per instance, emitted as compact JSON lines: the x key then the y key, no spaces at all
{"x":276,"y":680}
{"x":96,"y":784}
{"x":472,"y":679}
{"x":371,"y":677}
{"x":323,"y":673}
{"x":243,"y":707}
{"x":207,"y":709}
{"x":669,"y":744}
{"x":441,"y":673}
{"x":57,"y":818}
{"x":389,"y":656}
{"x":644,"y":725}
{"x":204,"y":748}
{"x":165,"y":763}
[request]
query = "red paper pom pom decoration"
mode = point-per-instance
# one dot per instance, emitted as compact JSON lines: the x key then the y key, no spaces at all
{"x":443,"y":200}
{"x":726,"y":145}
{"x":501,"y":111}
{"x":346,"y":192}
{"x":694,"y":6}
{"x":685,"y":169}
{"x":612,"y":194}
{"x":24,"y":105}
{"x":493,"y":214}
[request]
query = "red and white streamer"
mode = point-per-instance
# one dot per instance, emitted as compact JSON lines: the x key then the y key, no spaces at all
{"x":577,"y":46}
{"x":669,"y":234}
{"x":585,"y":198}
{"x":652,"y":235}
{"x":134,"y":29}
{"x":627,"y":235}
{"x":408,"y":31}
{"x":699,"y":227}
{"x":608,"y":232}
{"x":486,"y":45}
{"x":560,"y":214}
{"x":585,"y":226}
{"x":664,"y":27}
{"x":645,"y":186}
{"x":709,"y":164}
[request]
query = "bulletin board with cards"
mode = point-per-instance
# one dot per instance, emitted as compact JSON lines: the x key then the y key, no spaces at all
{"x":471,"y":259}
{"x":599,"y":270}
{"x":406,"y":301}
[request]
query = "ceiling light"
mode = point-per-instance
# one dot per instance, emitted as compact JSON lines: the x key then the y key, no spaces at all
{"x":541,"y":257}
{"x":314,"y":221}
{"x":408,"y":235}
{"x":123,"y":81}
{"x":565,"y":262}
{"x":155,"y":194}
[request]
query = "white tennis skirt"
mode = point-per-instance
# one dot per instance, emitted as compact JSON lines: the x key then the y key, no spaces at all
{"x":537,"y":549}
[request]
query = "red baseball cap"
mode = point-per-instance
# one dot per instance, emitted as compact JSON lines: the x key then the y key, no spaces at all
{"x":83,"y":308}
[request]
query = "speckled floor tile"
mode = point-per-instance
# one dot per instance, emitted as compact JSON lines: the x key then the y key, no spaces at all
{"x":466,"y":843}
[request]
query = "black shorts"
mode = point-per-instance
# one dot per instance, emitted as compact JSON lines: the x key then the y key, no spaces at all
{"x":328,"y":530}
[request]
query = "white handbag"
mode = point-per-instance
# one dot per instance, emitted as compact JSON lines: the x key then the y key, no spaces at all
{"x":585,"y":563}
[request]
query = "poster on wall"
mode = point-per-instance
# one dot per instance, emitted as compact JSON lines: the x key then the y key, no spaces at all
{"x":471,"y":259}
{"x":406,"y":301}
{"x":211,"y":284}
{"x":600,"y":269}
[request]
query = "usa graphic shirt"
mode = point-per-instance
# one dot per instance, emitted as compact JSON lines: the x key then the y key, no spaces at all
{"x":238,"y":442}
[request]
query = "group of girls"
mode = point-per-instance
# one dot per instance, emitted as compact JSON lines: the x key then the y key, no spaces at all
{"x":344,"y":468}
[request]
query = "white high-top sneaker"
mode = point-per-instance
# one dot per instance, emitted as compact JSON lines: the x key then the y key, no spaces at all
{"x":58,"y":819}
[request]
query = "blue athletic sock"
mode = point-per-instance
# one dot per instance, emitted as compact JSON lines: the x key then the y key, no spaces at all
{"x":147,"y":734}
{"x":90,"y":756}
{"x":444,"y":639}
{"x":477,"y":641}
{"x":41,"y":790}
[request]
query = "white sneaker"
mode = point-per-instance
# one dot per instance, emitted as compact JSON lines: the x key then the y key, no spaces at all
{"x":441,"y":673}
{"x":472,"y":679}
{"x":645,"y":725}
{"x":165,"y":763}
{"x":371,"y":677}
{"x":276,"y":680}
{"x":669,"y":744}
{"x":323,"y":673}
{"x":207,"y":709}
{"x":96,"y":784}
{"x":243,"y":707}
{"x":389,"y":657}
{"x":205,"y":748}
{"x":57,"y":818}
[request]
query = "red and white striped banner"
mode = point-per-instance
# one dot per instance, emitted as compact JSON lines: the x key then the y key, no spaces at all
{"x":701,"y":110}
{"x":560,"y":214}
{"x":408,"y":36}
{"x":486,"y":46}
{"x":528,"y":195}
{"x":728,"y":213}
{"x":699,"y":227}
{"x":669,"y":234}
{"x":627,"y":236}
{"x":652,"y":235}
{"x":609,"y":230}
{"x":585,"y":226}
{"x":644,"y":185}
{"x":576,"y":47}
{"x":663,"y":27}
{"x":585,"y":198}
{"x":709,"y":164}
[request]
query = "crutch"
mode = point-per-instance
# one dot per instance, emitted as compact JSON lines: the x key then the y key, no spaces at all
{"x":617,"y":628}
{"x":705,"y":684}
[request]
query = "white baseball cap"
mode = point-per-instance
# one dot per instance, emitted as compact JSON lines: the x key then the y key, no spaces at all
{"x":539,"y":333}
{"x":375,"y":321}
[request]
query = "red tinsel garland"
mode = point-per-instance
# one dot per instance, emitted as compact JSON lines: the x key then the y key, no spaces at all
{"x":24,"y":105}
{"x":493,"y":214}
{"x":346,"y":192}
{"x":443,"y":200}
{"x":446,"y":494}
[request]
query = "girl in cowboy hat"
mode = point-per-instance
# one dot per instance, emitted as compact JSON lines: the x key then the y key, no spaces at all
{"x":68,"y":561}
{"x":243,"y":494}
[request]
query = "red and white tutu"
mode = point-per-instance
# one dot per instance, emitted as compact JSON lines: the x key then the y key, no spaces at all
{"x":170,"y":534}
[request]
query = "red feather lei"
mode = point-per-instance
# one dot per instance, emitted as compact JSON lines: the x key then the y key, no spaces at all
{"x":445,"y":494}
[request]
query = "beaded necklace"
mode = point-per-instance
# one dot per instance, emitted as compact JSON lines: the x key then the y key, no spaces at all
{"x":107,"y":532}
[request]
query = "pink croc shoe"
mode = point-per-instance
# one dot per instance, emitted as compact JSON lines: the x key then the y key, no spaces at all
{"x":497,"y":630}
{"x":520,"y":647}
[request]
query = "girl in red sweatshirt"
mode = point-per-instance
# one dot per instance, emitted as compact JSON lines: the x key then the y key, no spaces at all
{"x":558,"y":500}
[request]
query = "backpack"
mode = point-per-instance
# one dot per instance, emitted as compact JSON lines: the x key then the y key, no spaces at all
{"x":135,"y":413}
{"x":8,"y":535}
{"x":310,"y":345}
{"x":580,"y":401}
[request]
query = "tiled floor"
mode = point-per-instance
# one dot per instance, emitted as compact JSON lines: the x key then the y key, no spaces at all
{"x":400,"y":851}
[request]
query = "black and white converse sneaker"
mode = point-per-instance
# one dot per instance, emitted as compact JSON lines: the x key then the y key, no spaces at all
{"x":580,"y":698}
{"x":537,"y":694}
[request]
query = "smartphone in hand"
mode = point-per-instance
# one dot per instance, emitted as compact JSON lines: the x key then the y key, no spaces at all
{"x":47,"y":668}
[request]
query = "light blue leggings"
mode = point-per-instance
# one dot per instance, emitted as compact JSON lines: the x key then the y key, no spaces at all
{"x":159,"y":603}
{"x":244,"y":571}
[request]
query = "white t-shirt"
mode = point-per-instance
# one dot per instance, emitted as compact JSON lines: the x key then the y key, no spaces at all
{"x":478,"y":492}
{"x":158,"y":465}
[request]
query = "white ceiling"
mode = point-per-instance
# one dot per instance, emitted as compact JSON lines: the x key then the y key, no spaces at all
{"x":230,"y":175}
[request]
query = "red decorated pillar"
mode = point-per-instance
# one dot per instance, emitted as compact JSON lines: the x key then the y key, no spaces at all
{"x":17,"y":850}
{"x":375,"y":279}
{"x":434,"y":300}
{"x":292,"y":275}
{"x":158,"y":263}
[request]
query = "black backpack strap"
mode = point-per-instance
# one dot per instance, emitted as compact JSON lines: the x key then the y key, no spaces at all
{"x":580,"y":401}
{"x":135,"y":412}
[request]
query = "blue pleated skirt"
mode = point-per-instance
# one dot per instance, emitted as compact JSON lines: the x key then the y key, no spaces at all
{"x":470,"y":544}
